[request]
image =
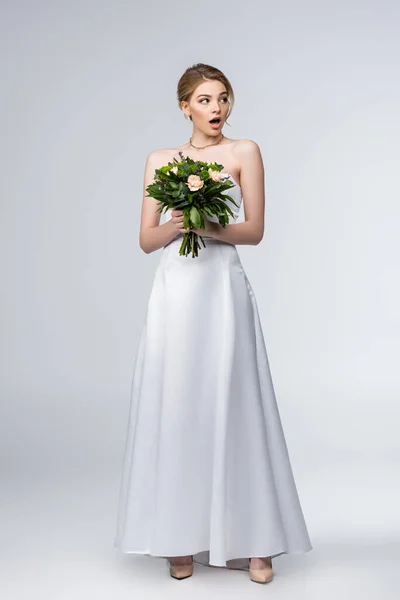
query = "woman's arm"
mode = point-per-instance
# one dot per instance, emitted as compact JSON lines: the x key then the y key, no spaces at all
{"x":152,"y":235}
{"x":250,"y":231}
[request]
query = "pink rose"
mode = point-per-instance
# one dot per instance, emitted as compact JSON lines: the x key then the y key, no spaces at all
{"x":194,"y":183}
{"x":214,"y":175}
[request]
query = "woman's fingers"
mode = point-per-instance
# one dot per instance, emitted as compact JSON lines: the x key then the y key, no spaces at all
{"x":177,"y":218}
{"x":177,"y":215}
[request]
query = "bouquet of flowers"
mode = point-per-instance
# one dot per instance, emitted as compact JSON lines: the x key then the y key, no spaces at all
{"x":196,"y":188}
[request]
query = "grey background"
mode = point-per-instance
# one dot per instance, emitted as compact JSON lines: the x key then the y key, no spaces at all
{"x":88,"y":90}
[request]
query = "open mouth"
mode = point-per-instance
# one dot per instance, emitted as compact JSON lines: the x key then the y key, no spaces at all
{"x":215,"y":121}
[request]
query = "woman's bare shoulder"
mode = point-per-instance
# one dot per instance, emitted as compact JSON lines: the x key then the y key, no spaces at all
{"x":161,"y":156}
{"x":245,"y":145}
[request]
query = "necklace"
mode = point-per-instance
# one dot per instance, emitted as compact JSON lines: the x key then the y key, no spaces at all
{"x":201,"y":147}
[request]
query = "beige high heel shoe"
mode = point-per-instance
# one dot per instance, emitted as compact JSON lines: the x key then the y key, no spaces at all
{"x":181,"y":571}
{"x":263,"y":575}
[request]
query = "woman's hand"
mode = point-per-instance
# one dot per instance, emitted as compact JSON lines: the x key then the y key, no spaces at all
{"x":211,"y":228}
{"x":177,"y":220}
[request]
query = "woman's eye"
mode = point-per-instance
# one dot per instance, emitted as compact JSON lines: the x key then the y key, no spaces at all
{"x":225,"y":98}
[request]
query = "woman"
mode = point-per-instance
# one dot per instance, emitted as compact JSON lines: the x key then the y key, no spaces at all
{"x":206,"y":474}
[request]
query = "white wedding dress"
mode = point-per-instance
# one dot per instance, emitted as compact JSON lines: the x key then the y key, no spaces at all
{"x":206,"y":469}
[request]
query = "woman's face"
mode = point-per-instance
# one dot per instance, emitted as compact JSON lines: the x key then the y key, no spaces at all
{"x":208,"y":101}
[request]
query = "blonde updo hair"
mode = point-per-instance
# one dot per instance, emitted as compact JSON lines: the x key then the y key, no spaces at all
{"x":194,"y":76}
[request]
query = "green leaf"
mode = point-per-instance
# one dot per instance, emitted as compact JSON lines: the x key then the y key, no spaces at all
{"x":186,"y":219}
{"x":231,"y":199}
{"x":195,"y":217}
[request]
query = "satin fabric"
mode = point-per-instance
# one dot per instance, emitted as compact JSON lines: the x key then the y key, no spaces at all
{"x":206,"y":469}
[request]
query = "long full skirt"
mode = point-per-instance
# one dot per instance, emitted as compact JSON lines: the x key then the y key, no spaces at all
{"x":206,"y":469}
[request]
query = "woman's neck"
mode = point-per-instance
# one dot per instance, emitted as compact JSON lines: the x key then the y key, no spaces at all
{"x":200,"y":139}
